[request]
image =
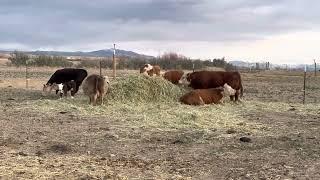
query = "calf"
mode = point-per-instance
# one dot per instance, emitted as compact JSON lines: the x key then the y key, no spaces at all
{"x":63,"y":88}
{"x":213,"y":79}
{"x":58,"y":88}
{"x":207,"y":96}
{"x":95,"y":86}
{"x":173,"y":76}
{"x":150,"y":70}
{"x":66,"y":75}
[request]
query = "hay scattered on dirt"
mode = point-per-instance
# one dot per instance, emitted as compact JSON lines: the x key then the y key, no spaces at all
{"x":137,"y":88}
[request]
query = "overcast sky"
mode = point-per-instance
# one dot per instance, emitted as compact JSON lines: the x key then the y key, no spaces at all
{"x":280,"y":31}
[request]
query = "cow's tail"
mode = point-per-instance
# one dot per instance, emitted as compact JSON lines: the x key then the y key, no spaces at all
{"x":97,"y":85}
{"x":241,"y":90}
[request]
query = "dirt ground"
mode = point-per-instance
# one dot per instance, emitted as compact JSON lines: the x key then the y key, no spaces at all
{"x":42,"y":137}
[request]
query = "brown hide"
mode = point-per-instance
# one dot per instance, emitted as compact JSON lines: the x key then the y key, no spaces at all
{"x":94,"y":87}
{"x":213,"y":79}
{"x":173,"y":76}
{"x":203,"y":96}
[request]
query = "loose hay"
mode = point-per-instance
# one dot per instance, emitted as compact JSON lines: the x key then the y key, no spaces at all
{"x":137,"y":88}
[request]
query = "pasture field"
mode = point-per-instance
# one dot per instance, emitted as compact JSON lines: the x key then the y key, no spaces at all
{"x":150,"y":135}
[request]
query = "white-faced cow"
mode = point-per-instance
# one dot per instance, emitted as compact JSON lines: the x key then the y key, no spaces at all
{"x":213,"y":79}
{"x":207,"y":96}
{"x":150,"y":70}
{"x":63,"y":88}
{"x":95,"y":87}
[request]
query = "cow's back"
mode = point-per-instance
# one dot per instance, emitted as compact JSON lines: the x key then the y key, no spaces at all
{"x":68,"y":74}
{"x":213,"y":79}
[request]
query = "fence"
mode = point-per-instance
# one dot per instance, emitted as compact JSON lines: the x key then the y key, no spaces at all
{"x":286,"y":86}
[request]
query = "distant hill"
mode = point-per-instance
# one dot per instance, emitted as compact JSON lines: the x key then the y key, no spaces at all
{"x":98,"y":53}
{"x":238,"y":63}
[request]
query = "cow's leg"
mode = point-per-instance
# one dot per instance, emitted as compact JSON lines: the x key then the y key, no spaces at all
{"x":101,"y":99}
{"x":231,"y":98}
{"x":95,"y":96}
{"x":72,"y":93}
{"x":65,"y":92}
{"x":76,"y":88}
{"x":90,"y":99}
{"x":237,"y":96}
{"x":201,"y":102}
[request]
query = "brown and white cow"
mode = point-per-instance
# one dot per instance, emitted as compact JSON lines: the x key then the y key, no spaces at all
{"x":95,"y":86}
{"x":150,"y":70}
{"x":207,"y":96}
{"x":173,"y":76}
{"x":213,"y":79}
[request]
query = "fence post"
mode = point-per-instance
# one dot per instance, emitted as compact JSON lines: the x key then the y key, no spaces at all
{"x":304,"y":83}
{"x":114,"y":61}
{"x":192,"y":67}
{"x":100,"y":68}
{"x":27,"y":80}
{"x":315,"y":68}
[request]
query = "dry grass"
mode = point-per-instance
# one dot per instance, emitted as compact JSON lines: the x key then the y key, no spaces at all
{"x":143,"y":132}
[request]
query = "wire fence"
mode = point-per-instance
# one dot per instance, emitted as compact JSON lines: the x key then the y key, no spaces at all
{"x":270,"y":85}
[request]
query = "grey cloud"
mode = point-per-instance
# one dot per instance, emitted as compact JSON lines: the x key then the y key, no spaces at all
{"x":56,"y":23}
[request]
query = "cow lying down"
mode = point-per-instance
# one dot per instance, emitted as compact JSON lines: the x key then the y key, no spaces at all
{"x":207,"y":96}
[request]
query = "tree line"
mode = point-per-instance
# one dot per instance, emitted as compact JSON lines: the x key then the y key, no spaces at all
{"x":166,"y":61}
{"x":21,"y":59}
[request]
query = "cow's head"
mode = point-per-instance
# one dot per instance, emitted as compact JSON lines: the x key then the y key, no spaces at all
{"x":185,"y":79}
{"x":106,"y":79}
{"x":46,"y":87}
{"x":228,"y":90}
{"x":58,"y":88}
{"x":147,"y":69}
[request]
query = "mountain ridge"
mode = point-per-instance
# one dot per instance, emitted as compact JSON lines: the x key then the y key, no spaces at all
{"x":96,"y":53}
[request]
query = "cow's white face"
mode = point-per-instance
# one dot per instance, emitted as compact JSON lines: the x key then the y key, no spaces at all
{"x":148,"y":67}
{"x":183,"y":80}
{"x":58,"y":87}
{"x":228,"y":90}
{"x":47,"y":87}
{"x":106,"y":79}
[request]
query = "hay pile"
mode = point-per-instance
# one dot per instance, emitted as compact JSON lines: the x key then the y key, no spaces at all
{"x":137,"y":88}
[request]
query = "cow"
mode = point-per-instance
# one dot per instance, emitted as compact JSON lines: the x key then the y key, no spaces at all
{"x":150,"y":70}
{"x":63,"y":88}
{"x":95,"y":86}
{"x":213,"y":79}
{"x":173,"y":76}
{"x":207,"y":96}
{"x":66,"y":75}
{"x":58,"y":88}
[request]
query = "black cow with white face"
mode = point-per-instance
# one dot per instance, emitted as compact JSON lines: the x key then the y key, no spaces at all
{"x":68,"y":78}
